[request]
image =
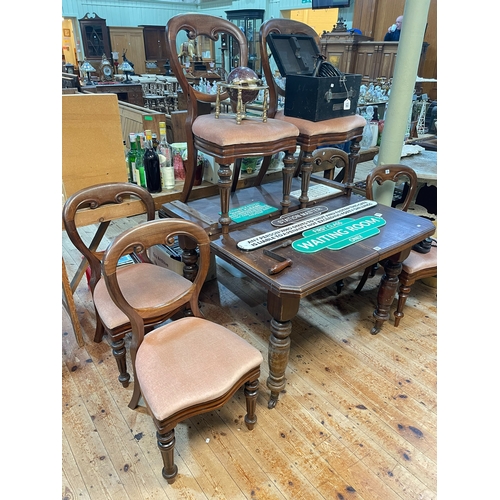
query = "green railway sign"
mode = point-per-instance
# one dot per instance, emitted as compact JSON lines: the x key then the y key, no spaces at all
{"x":338,"y":234}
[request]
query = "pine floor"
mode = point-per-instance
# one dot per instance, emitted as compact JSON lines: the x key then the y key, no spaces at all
{"x":358,"y":418}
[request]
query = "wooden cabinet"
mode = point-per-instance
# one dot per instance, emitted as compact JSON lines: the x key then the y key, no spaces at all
{"x":130,"y":40}
{"x":376,"y":60}
{"x":249,"y":20}
{"x":155,"y":47}
{"x":340,"y":49}
{"x":360,"y":55}
{"x":95,"y":38}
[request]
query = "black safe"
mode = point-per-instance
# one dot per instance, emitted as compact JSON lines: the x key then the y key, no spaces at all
{"x":308,"y":96}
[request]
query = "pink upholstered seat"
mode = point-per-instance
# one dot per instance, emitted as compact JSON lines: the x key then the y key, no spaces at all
{"x":417,"y":262}
{"x":187,"y":366}
{"x":144,"y":286}
{"x":224,"y":131}
{"x":190,"y":362}
{"x":340,"y":125}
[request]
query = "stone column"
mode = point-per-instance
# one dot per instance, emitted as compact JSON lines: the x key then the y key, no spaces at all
{"x":403,"y":83}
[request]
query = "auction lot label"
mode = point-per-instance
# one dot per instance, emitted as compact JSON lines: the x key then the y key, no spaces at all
{"x":338,"y":234}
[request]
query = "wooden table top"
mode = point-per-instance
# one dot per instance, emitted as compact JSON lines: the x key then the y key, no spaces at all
{"x":312,"y":272}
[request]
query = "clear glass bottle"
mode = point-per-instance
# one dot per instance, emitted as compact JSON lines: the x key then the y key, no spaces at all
{"x":165,"y":156}
{"x":131,"y":156}
{"x":125,"y":156}
{"x":139,"y":163}
{"x":151,"y":165}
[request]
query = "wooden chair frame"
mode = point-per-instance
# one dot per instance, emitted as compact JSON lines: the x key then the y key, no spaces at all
{"x":199,"y":103}
{"x":138,"y":240}
{"x":94,"y":197}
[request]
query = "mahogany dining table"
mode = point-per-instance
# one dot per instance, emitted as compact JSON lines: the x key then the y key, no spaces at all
{"x":308,"y":272}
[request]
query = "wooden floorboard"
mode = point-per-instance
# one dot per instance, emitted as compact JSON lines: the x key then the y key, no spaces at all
{"x":357,"y":420}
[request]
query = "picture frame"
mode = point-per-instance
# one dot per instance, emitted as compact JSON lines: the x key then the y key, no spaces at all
{"x":66,"y":32}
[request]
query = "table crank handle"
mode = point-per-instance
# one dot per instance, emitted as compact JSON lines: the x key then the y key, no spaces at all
{"x":280,"y":266}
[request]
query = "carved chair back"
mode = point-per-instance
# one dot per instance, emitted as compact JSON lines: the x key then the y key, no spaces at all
{"x":193,"y":26}
{"x":328,"y":160}
{"x":93,"y":198}
{"x":394,"y":173}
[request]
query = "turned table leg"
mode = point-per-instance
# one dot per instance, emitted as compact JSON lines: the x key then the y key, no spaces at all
{"x":278,"y":354}
{"x":386,"y":293}
{"x":282,"y":311}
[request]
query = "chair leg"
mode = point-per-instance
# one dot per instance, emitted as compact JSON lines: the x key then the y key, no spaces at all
{"x":136,"y":395}
{"x":251,"y":392}
{"x":263,"y":169}
{"x":236,"y":174}
{"x":99,"y":328}
{"x":120,"y":354}
{"x":166,"y":443}
{"x":339,"y":285}
{"x":362,"y":282}
{"x":299,"y":163}
{"x":404,"y":291}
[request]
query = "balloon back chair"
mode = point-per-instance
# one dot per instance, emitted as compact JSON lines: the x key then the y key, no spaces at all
{"x":219,"y":135}
{"x":152,"y":282}
{"x":417,"y":265}
{"x":184,"y":367}
{"x":312,"y":135}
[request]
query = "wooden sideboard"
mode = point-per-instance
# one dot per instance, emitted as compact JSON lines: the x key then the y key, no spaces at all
{"x":359,"y":54}
{"x":131,"y":92}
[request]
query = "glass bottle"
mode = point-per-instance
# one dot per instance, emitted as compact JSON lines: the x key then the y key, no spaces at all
{"x":165,"y":156}
{"x":178,"y":163}
{"x":125,"y":154}
{"x":140,"y":176}
{"x":131,"y":156}
{"x":151,"y":165}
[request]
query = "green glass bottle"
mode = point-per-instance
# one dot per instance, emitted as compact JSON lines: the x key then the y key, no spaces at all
{"x":139,"y":163}
{"x":131,"y":156}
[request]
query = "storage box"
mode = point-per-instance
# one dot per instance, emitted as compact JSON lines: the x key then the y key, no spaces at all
{"x":170,"y":258}
{"x":310,"y":97}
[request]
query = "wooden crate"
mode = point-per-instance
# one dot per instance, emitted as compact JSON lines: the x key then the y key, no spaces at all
{"x":92,"y":144}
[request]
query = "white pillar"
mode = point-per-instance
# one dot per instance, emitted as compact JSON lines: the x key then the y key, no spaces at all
{"x":403,"y":84}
